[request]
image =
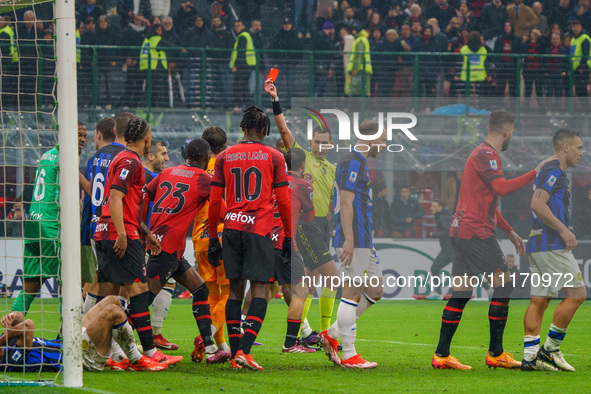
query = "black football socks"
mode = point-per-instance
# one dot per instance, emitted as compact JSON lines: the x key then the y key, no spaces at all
{"x":202,"y":313}
{"x":452,"y":314}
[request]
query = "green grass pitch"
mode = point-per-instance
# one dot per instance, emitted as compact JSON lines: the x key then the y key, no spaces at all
{"x":400,"y":335}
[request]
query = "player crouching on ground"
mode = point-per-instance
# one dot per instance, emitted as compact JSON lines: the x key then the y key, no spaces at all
{"x":549,"y":252}
{"x":354,"y":246}
{"x":180,"y":193}
{"x":20,"y":350}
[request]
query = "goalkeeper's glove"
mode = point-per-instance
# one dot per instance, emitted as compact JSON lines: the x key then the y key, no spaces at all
{"x":214,"y":252}
{"x":286,"y":248}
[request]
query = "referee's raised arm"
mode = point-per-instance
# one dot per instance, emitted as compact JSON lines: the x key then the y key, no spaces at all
{"x":286,"y":135}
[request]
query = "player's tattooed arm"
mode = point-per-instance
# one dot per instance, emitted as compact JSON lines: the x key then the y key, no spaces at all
{"x":144,"y":230}
{"x":151,"y":239}
{"x":154,"y":245}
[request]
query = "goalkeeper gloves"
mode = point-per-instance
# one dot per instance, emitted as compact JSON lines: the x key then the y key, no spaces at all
{"x":214,"y":252}
{"x":286,"y":248}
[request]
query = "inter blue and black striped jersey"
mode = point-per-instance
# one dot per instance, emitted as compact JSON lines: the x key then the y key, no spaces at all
{"x":149,"y":176}
{"x":352,"y":175}
{"x":552,"y":179}
{"x":86,"y":211}
{"x":44,"y":356}
{"x":96,"y":172}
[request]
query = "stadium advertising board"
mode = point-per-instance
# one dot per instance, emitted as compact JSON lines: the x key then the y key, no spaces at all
{"x":405,"y":264}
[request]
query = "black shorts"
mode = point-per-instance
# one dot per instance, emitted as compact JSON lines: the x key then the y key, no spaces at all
{"x":477,"y":256}
{"x":288,"y":271}
{"x":165,"y":266}
{"x":247,"y":256}
{"x":313,"y":241}
{"x":128,"y":269}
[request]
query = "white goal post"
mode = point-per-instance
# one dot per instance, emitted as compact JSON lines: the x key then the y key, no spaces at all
{"x":67,"y":115}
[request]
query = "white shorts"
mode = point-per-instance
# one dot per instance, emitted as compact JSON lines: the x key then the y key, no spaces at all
{"x":92,"y":360}
{"x":365,"y":262}
{"x":93,"y":244}
{"x":560,"y":269}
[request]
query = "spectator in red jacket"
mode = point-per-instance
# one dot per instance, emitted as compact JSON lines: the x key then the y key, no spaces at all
{"x":532,"y":65}
{"x":557,"y":68}
{"x":506,"y":66}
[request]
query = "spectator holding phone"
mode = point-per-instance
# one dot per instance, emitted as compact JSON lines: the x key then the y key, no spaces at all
{"x":15,"y":219}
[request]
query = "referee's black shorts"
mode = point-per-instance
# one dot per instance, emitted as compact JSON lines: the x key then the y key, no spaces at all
{"x":288,"y":271}
{"x":476,"y":256}
{"x":313,"y":240}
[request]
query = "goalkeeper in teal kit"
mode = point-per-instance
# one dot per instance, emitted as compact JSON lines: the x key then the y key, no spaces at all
{"x":41,"y":253}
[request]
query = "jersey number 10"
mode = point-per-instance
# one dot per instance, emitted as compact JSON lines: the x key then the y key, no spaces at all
{"x":244,"y":180}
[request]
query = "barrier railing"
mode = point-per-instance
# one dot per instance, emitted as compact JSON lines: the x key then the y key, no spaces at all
{"x":201,"y":78}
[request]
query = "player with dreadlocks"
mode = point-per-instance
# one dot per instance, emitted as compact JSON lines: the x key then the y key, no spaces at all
{"x":249,"y":172}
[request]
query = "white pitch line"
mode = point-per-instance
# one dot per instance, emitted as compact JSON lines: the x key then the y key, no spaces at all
{"x":412,"y":344}
{"x":416,"y":344}
{"x":93,"y":390}
{"x":454,"y":346}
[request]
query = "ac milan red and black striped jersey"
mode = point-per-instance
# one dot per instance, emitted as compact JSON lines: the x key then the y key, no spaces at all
{"x":477,"y":204}
{"x":178,"y":193}
{"x":302,"y":205}
{"x":126,"y":174}
{"x":249,"y":171}
{"x":277,"y":232}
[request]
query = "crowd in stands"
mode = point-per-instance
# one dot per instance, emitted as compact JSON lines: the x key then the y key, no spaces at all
{"x":371,"y":29}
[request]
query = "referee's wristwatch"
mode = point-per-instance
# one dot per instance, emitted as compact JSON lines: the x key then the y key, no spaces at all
{"x":275,"y":100}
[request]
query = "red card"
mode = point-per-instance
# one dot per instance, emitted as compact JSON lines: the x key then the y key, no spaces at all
{"x":273,"y":74}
